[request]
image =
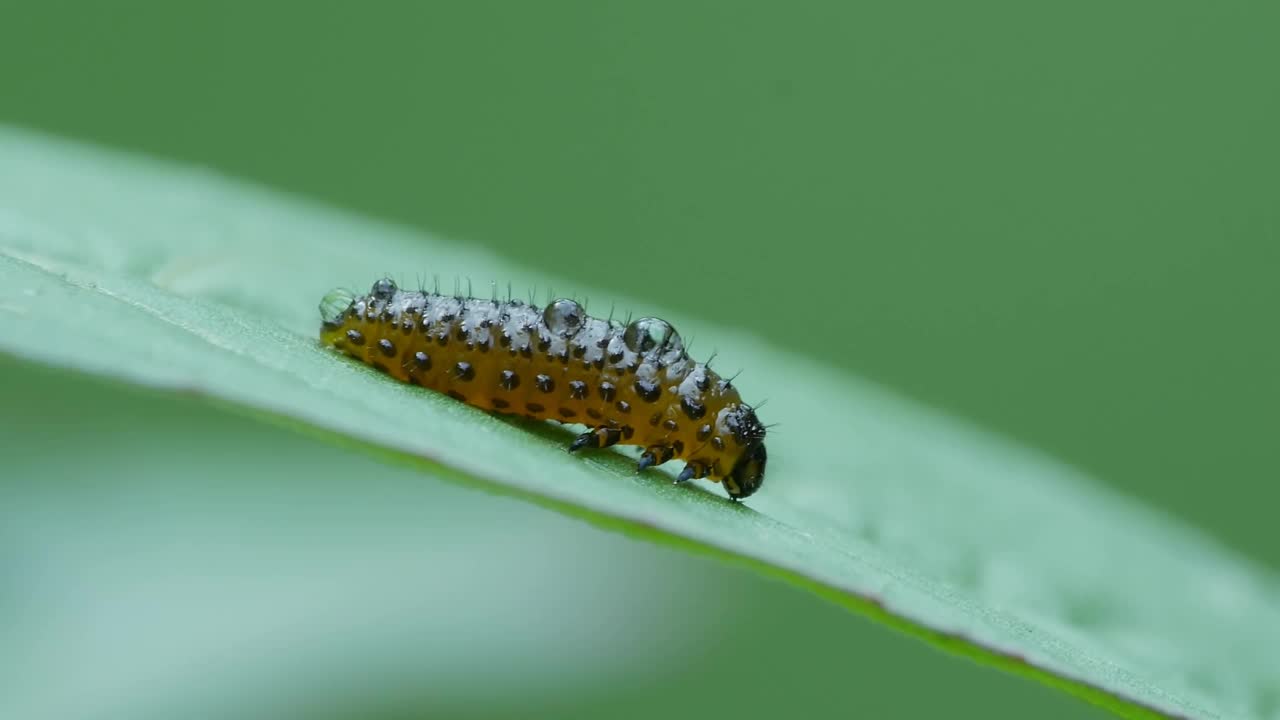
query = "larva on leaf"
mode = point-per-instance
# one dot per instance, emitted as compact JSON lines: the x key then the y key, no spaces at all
{"x":631,"y":384}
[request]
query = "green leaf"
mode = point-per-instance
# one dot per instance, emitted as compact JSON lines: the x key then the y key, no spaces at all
{"x":184,"y":562}
{"x":175,"y":278}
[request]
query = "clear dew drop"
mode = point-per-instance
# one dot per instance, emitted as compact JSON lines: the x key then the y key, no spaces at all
{"x":383,"y":289}
{"x":563,"y":317}
{"x":335,"y":304}
{"x":651,"y":333}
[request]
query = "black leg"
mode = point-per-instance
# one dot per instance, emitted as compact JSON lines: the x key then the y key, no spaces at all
{"x":655,"y":455}
{"x":601,"y":437}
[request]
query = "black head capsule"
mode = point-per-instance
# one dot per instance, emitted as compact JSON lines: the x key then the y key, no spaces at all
{"x":747,"y":474}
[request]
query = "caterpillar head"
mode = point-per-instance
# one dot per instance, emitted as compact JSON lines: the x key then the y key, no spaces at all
{"x":747,"y":474}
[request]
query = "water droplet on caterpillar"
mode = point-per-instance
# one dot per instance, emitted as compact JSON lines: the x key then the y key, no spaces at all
{"x":651,"y":333}
{"x":383,"y":289}
{"x":563,"y":317}
{"x":335,"y":304}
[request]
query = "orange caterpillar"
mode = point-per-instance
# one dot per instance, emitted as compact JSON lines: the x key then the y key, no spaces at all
{"x":631,"y":384}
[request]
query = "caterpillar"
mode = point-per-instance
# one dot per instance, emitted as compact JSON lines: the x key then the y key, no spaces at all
{"x":631,"y":383}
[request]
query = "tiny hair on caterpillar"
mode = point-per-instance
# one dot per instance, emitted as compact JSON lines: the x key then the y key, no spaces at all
{"x":631,"y":383}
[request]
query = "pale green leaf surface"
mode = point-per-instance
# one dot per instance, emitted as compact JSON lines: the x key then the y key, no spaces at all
{"x":175,"y":278}
{"x":179,"y":562}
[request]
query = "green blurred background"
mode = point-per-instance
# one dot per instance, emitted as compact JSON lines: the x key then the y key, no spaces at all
{"x":1060,"y":221}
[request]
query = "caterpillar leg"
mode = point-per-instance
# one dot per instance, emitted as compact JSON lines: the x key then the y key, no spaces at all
{"x":693,"y":469}
{"x":601,"y":437}
{"x":655,"y":455}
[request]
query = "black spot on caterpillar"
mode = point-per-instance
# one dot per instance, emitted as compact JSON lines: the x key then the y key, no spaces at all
{"x":559,"y":363}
